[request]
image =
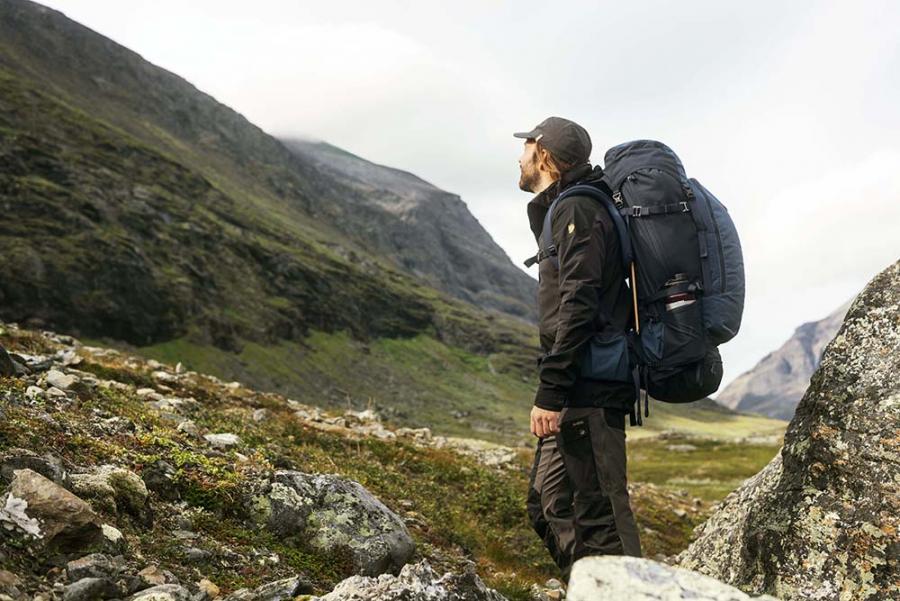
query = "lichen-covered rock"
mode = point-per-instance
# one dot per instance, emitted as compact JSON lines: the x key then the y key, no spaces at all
{"x":163,"y":592}
{"x":416,"y":582}
{"x":113,"y":489}
{"x":331,"y":513}
{"x":280,"y":590}
{"x":65,"y":521}
{"x":822,"y":520}
{"x":609,"y":578}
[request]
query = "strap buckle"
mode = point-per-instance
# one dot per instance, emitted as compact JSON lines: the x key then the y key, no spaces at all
{"x":636,"y":211}
{"x":684,"y":207}
{"x":617,"y":197}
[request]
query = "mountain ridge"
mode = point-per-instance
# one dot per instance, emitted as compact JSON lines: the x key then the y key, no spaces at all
{"x":160,"y":107}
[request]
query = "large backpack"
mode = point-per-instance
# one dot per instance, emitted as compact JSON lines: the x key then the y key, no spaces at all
{"x":685,"y":269}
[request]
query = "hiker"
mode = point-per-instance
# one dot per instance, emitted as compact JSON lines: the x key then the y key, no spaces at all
{"x":578,"y":501}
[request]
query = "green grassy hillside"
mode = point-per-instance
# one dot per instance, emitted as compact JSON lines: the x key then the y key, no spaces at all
{"x":456,"y":507}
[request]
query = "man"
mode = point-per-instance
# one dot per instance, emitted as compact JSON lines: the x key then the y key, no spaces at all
{"x":578,"y":501}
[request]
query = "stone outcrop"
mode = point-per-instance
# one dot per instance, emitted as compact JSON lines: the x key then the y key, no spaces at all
{"x":331,"y":513}
{"x":416,"y":582}
{"x":821,"y":521}
{"x":636,"y":579}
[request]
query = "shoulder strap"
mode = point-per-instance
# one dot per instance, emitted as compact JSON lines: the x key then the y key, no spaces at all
{"x":548,"y":249}
{"x":604,"y":199}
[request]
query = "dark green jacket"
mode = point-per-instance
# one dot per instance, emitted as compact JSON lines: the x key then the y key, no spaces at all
{"x":585,"y":296}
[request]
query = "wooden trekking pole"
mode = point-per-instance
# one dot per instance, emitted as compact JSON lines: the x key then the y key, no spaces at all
{"x":637,"y":323}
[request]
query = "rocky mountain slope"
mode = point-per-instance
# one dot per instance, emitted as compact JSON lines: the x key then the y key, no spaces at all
{"x":121,"y":476}
{"x":776,"y":384}
{"x":106,"y":80}
{"x":822,"y":520}
{"x":429,"y":232}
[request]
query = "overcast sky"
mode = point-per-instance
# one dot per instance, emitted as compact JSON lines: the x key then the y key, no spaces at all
{"x":787,"y":111}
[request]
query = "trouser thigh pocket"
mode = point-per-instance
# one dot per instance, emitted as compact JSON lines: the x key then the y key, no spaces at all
{"x":575,"y":437}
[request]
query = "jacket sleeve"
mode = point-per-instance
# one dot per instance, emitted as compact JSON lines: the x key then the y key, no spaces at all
{"x":581,"y":254}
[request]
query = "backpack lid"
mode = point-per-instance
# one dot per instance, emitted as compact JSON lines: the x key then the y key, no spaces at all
{"x":624,"y":159}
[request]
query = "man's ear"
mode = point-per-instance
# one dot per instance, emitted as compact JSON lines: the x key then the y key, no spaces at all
{"x":543,"y":159}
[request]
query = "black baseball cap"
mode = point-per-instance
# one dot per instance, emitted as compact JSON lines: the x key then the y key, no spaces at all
{"x":566,"y":140}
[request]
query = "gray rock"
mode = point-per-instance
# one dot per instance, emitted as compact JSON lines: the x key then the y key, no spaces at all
{"x":66,"y":522}
{"x":91,"y":589}
{"x":224,"y":440}
{"x":196,"y":555}
{"x":55,"y":393}
{"x":822,"y":520}
{"x":112,"y":488}
{"x":612,"y":578}
{"x":163,"y":592}
{"x":60,"y":380}
{"x":7,"y":368}
{"x":332,"y":513}
{"x":112,"y":540}
{"x":95,"y":565}
{"x":188,"y":427}
{"x":48,"y":465}
{"x":159,"y":477}
{"x":416,"y":582}
{"x":281,"y":590}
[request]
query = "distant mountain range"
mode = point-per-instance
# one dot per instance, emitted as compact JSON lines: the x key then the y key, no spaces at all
{"x":777,"y":383}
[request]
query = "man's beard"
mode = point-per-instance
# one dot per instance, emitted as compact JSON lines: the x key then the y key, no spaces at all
{"x":528,"y":181}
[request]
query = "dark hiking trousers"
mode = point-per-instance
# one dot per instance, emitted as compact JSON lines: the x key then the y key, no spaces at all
{"x":578,"y":499}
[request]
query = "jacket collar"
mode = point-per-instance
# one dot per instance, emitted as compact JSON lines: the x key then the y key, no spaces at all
{"x":537,"y":206}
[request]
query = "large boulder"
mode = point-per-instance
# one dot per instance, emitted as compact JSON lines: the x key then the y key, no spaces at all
{"x":63,"y":521}
{"x":619,"y":577}
{"x":822,"y":520}
{"x":333,"y":514}
{"x":416,"y":582}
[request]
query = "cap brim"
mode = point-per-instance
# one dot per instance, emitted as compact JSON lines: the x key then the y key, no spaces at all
{"x":526,"y":134}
